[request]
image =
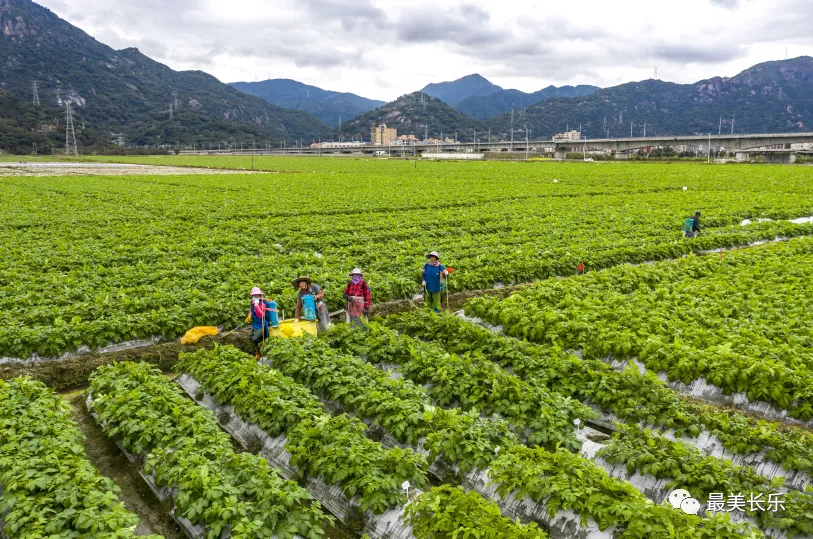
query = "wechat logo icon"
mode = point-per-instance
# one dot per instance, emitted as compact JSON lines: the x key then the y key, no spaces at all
{"x":681,"y":499}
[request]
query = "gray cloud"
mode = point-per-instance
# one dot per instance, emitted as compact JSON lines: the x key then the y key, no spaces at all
{"x":686,"y":53}
{"x":466,"y":26}
{"x":352,"y":14}
{"x":373,"y":47}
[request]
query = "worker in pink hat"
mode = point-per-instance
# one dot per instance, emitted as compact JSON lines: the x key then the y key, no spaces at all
{"x":357,"y":295}
{"x":262,"y":314}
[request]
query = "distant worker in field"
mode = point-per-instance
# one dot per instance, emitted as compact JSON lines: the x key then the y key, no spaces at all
{"x":433,"y":276}
{"x":262,"y":314}
{"x":357,"y":295}
{"x":691,"y":226}
{"x":310,"y":303}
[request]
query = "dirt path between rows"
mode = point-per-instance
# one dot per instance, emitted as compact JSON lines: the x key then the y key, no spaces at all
{"x":111,"y":462}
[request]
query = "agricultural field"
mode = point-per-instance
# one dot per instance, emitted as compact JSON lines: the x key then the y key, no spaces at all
{"x":89,"y":261}
{"x":573,"y":407}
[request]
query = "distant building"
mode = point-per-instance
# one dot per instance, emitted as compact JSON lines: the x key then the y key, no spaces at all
{"x":569,"y":135}
{"x":340,"y":144}
{"x":382,"y":135}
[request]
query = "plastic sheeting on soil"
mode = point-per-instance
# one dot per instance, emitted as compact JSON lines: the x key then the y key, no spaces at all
{"x":656,"y":489}
{"x":565,"y":525}
{"x":389,"y":525}
{"x":706,"y":442}
{"x":713,"y":446}
{"x":84,"y":349}
{"x":161,"y":493}
{"x":701,"y":389}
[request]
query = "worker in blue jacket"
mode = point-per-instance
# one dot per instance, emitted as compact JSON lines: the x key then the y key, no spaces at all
{"x":262,"y":314}
{"x":433,"y":275}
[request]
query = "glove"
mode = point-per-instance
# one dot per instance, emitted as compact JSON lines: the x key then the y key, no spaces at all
{"x":248,"y":319}
{"x":423,"y":283}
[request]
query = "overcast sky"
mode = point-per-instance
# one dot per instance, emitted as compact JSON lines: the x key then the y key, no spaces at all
{"x":382,"y":49}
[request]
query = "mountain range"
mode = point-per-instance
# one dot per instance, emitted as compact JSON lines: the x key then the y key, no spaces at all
{"x":124,"y":91}
{"x":768,"y":97}
{"x":484,"y":106}
{"x":330,"y":107}
{"x":415,"y":114}
{"x":123,"y":94}
{"x":455,"y":91}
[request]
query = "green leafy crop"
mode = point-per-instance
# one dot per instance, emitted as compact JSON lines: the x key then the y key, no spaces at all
{"x":448,"y":512}
{"x":626,"y":393}
{"x":334,"y":448}
{"x":183,"y":447}
{"x":48,"y":487}
{"x":536,"y":414}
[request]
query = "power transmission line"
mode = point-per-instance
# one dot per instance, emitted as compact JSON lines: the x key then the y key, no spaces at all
{"x":36,"y":93}
{"x":70,"y":134}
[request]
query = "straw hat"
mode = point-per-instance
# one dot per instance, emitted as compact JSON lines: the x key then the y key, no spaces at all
{"x":299,"y":279}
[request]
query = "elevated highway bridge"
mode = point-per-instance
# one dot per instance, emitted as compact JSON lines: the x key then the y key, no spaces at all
{"x":741,"y":144}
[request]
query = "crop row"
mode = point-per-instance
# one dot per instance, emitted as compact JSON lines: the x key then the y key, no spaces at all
{"x":183,"y":448}
{"x":634,"y":447}
{"x":537,"y":415}
{"x":628,"y":394}
{"x":402,"y":408}
{"x":640,"y":450}
{"x":333,"y":447}
{"x":650,"y":453}
{"x":692,"y":318}
{"x":336,"y":449}
{"x":48,"y":487}
{"x":615,"y":502}
{"x":186,"y":250}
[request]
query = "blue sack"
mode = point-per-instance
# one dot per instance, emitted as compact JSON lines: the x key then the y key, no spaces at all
{"x":308,"y":307}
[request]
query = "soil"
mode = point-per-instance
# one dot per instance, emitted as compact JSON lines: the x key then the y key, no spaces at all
{"x":73,"y":372}
{"x":111,"y":462}
{"x":108,"y":169}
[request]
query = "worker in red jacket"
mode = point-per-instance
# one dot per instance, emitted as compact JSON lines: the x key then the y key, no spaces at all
{"x":357,"y":295}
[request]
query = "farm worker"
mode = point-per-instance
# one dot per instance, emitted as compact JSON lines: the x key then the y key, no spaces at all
{"x":433,"y":275}
{"x":691,"y":226}
{"x":310,"y":299}
{"x":357,"y":295}
{"x":262,"y":313}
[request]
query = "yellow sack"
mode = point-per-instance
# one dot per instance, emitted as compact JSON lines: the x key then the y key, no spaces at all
{"x":195,"y":334}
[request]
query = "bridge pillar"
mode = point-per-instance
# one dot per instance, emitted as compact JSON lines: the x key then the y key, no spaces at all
{"x":560,"y":153}
{"x":777,"y":158}
{"x":621,"y":155}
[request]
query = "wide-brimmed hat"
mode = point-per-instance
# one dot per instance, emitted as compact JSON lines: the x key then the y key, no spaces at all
{"x":299,"y":279}
{"x":697,"y":213}
{"x":356,"y":271}
{"x":433,"y":253}
{"x":256,"y":291}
